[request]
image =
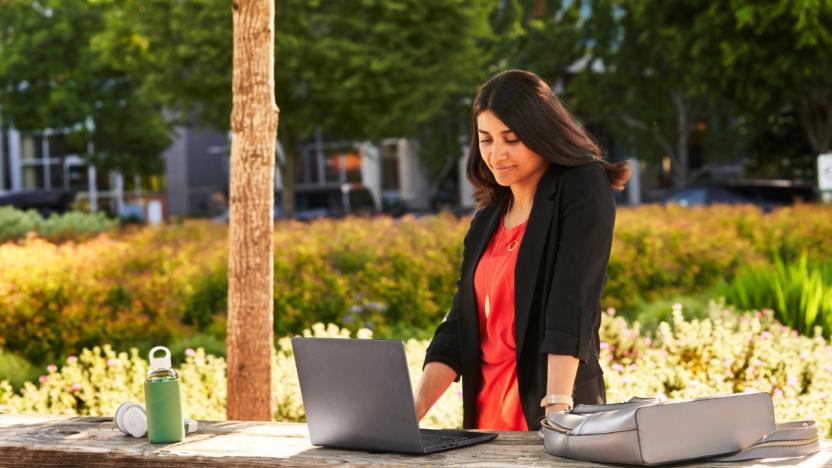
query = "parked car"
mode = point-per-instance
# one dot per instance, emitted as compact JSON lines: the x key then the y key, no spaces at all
{"x":329,"y":201}
{"x":766,"y":194}
{"x":325,"y":201}
{"x":44,"y":202}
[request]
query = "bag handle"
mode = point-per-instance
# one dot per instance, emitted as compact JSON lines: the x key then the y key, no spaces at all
{"x":791,"y":439}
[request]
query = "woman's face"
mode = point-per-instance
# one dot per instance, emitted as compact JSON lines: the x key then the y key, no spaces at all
{"x":511,"y":161}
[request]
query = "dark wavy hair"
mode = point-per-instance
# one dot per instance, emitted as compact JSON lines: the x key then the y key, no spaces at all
{"x":529,"y":107}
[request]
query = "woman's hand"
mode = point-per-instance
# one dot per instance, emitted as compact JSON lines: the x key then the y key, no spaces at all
{"x":555,"y":408}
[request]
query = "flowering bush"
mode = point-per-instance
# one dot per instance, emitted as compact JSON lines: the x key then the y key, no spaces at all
{"x":97,"y":381}
{"x":59,"y":298}
{"x":396,"y":277}
{"x":726,"y":353}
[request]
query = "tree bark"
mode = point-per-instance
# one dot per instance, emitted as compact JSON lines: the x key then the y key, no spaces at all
{"x":288,"y":179}
{"x":683,"y":128}
{"x":254,"y":119}
{"x":815,"y":114}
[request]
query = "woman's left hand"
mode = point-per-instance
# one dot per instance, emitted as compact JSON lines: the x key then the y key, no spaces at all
{"x":555,"y":408}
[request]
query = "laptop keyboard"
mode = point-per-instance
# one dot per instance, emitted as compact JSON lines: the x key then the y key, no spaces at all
{"x":434,"y":441}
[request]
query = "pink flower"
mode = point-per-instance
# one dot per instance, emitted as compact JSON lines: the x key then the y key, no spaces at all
{"x":778,"y":392}
{"x":610,"y":310}
{"x":51,"y":368}
{"x":604,"y":345}
{"x":113,"y":362}
{"x":757,"y":315}
{"x":617,"y":366}
{"x":648,"y":341}
{"x":792,"y":381}
{"x":76,"y":387}
{"x":43,"y":379}
{"x":804,"y":355}
{"x":190,"y":352}
{"x":794,"y":332}
{"x":71,"y":359}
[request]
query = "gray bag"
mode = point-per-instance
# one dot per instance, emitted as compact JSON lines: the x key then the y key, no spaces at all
{"x":645,"y":431}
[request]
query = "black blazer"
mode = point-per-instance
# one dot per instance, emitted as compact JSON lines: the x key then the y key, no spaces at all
{"x":559,"y":278}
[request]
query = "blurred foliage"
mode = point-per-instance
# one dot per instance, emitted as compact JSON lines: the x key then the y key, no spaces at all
{"x":728,"y":352}
{"x":16,"y":369}
{"x":72,"y":225}
{"x":724,"y":353}
{"x":53,"y":77}
{"x":800,"y":292}
{"x":397,"y":277}
{"x":722,"y":81}
{"x":719,"y":80}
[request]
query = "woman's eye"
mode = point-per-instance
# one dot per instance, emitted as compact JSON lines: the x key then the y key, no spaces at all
{"x":485,"y":141}
{"x":512,"y":141}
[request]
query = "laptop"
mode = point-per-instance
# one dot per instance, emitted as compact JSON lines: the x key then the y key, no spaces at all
{"x":357,"y":395}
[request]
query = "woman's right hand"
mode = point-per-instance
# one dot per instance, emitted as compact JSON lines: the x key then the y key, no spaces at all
{"x":433,"y":383}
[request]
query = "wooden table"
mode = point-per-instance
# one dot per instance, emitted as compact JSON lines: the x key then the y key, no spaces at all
{"x":33,"y":440}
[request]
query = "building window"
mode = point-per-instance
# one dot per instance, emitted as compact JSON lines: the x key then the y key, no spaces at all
{"x":390,"y":166}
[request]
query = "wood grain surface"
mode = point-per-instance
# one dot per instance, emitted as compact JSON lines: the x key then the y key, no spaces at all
{"x":60,"y":441}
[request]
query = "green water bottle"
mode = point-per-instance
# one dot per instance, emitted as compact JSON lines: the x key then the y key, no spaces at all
{"x":161,"y":395}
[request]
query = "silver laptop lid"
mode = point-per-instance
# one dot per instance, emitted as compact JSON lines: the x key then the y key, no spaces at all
{"x":357,"y":394}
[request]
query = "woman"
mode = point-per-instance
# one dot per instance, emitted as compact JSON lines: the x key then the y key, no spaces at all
{"x":522,"y":331}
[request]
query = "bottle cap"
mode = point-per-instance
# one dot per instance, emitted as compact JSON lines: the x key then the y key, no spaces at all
{"x":159,"y":362}
{"x":131,"y":419}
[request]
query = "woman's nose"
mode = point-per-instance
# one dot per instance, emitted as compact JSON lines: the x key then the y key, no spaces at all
{"x":498,"y":153}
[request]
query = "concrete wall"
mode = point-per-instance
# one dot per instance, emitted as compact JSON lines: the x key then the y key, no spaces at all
{"x":176,"y":173}
{"x":414,"y":185}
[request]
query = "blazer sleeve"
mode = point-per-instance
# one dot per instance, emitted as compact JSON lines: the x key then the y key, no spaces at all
{"x":586,"y":223}
{"x":445,"y":346}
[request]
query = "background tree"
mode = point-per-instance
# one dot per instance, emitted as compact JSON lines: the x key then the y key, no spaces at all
{"x":52,"y":76}
{"x":775,"y":63}
{"x":254,"y":120}
{"x":638,"y":80}
{"x":359,"y":70}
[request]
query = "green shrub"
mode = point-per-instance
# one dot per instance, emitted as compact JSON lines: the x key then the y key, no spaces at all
{"x":799,"y":292}
{"x":16,"y":369}
{"x":15,"y":223}
{"x":60,"y":298}
{"x":650,"y":314}
{"x":75,"y":225}
{"x":150,"y":285}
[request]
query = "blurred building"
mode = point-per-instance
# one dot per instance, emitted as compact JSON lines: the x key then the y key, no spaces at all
{"x":197,"y":169}
{"x":49,"y":161}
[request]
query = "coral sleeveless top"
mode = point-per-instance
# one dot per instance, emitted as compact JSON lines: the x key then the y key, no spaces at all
{"x":498,"y":402}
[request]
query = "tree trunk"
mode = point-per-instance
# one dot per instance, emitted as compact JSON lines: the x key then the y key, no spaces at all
{"x":288,"y":178}
{"x":250,"y":258}
{"x":815,"y":114}
{"x":683,"y":128}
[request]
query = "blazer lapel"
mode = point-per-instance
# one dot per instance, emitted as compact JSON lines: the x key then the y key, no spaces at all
{"x":526,"y":271}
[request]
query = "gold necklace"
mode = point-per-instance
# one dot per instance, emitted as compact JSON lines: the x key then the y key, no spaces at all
{"x":489,"y":277}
